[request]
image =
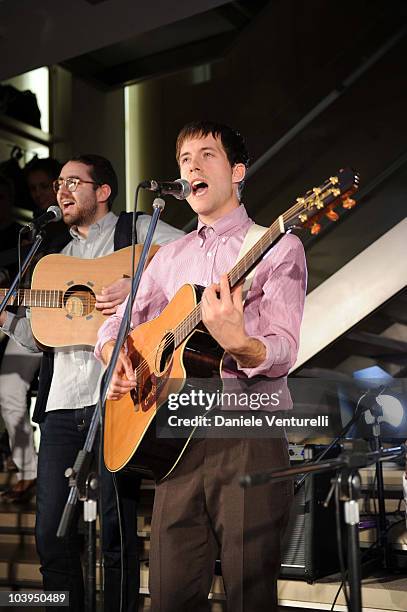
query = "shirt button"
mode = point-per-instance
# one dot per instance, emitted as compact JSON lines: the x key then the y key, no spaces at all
{"x":223,"y":240}
{"x":209,"y":254}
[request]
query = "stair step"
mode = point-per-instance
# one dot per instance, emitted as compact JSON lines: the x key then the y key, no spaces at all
{"x":7,"y":479}
{"x":19,"y":563}
{"x":31,"y":585}
{"x":15,"y":552}
{"x":18,"y":519}
{"x":9,"y":536}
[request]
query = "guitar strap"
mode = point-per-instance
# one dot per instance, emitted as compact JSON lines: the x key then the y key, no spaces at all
{"x":254,"y":234}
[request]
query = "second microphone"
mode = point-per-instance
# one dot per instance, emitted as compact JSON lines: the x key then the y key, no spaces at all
{"x":180,"y":188}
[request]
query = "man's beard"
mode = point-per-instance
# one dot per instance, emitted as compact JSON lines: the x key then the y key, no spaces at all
{"x":83,"y":217}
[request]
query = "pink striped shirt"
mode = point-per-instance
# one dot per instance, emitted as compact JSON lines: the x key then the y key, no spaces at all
{"x":274,"y":304}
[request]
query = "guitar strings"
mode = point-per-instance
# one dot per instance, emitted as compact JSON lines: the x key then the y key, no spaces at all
{"x":53,"y":298}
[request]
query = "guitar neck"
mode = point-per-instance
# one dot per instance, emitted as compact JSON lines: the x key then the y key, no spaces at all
{"x":43,"y":298}
{"x":236,"y":274}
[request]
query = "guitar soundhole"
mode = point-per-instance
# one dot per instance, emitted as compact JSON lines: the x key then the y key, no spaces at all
{"x":79,"y":301}
{"x":164,"y":353}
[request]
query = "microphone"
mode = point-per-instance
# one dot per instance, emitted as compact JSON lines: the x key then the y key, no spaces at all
{"x":369,"y":404}
{"x":53,"y":213}
{"x":180,"y":188}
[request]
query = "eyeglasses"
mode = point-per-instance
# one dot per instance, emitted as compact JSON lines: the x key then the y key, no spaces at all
{"x":71,"y":183}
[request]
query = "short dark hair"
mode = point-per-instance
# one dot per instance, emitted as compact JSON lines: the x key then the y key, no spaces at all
{"x":49,"y":165}
{"x":232,"y":141}
{"x":101,"y":171}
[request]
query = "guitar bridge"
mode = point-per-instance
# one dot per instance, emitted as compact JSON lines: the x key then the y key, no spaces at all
{"x":133,"y":395}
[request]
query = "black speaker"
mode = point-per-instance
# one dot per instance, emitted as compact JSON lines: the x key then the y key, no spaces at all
{"x":309,"y":549}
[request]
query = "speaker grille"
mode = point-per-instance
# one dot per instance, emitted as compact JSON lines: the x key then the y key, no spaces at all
{"x":309,"y":548}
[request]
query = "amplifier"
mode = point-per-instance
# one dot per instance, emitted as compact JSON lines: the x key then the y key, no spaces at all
{"x":309,"y":549}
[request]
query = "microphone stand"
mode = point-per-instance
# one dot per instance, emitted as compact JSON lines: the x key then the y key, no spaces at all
{"x":376,"y":411}
{"x":83,"y":481}
{"x":39,"y":238}
{"x":354,"y":456}
{"x":358,"y":413}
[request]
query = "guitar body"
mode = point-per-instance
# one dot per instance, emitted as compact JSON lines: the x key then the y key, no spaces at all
{"x":129,"y":433}
{"x":76,"y":321}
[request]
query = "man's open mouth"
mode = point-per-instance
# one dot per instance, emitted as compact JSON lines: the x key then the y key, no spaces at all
{"x":66,"y":204}
{"x":199,"y":187}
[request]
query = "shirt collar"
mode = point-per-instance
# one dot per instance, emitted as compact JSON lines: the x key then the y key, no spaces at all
{"x":104,"y":224}
{"x":227,"y":224}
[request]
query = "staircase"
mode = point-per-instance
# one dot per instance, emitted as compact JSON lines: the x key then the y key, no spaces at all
{"x":19,"y":562}
{"x":352,"y":293}
{"x":19,"y":566}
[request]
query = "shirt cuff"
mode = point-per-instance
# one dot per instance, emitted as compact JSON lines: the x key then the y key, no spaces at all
{"x":107,"y":332}
{"x":264,"y":366}
{"x":6,"y":327}
{"x":277,"y":361}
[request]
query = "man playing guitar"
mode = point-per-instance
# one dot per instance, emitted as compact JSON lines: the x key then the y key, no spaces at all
{"x":200,"y":511}
{"x":69,"y":389}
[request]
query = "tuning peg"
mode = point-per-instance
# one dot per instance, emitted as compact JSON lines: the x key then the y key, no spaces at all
{"x":348,"y":203}
{"x":332,"y":215}
{"x":315,"y":229}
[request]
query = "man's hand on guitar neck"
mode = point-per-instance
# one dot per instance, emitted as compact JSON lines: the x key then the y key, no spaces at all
{"x":123,"y":379}
{"x":113,"y":295}
{"x":222,"y":315}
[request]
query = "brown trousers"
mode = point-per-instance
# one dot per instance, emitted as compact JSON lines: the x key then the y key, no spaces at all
{"x":201,"y":512}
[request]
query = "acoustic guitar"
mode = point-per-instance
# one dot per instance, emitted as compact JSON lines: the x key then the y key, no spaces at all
{"x":174,"y":347}
{"x":62,"y":295}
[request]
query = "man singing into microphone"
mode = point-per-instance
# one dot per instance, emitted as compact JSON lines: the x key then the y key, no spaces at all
{"x":200,"y":511}
{"x":69,"y":389}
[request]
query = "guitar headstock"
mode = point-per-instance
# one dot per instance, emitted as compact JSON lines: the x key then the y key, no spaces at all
{"x":321,"y":201}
